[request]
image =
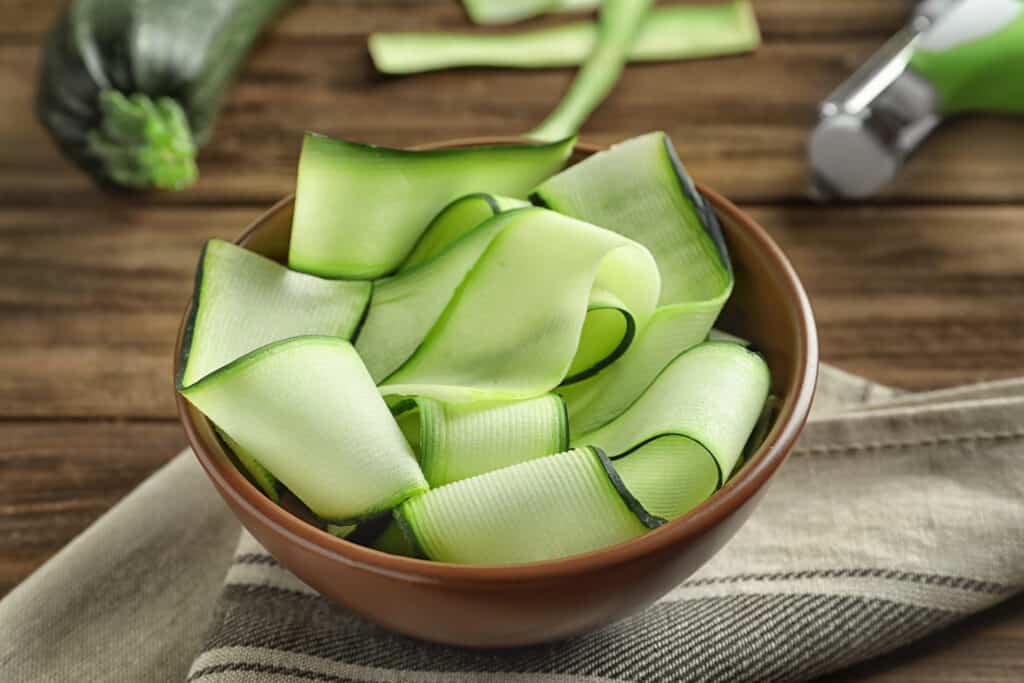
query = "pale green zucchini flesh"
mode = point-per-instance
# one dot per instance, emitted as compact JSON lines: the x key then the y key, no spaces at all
{"x":455,"y":220}
{"x":243,"y":301}
{"x":406,"y":306}
{"x":694,"y":31}
{"x":541,"y":509}
{"x":608,"y":331}
{"x":559,"y":505}
{"x":359,"y":209}
{"x":669,"y":475}
{"x":667,"y":33}
{"x":640,"y":190}
{"x":458,"y":441}
{"x":713,"y":394}
{"x":513,"y":326}
{"x":307,"y":411}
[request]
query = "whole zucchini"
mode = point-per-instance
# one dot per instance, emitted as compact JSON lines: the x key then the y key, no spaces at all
{"x":130,"y":88}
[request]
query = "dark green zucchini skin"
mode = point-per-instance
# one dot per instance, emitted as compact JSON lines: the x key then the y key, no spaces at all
{"x":186,"y":51}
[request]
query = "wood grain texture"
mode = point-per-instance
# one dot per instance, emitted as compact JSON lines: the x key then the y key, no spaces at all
{"x":741,"y":122}
{"x":27,"y":20}
{"x":922,"y":289}
{"x":917,"y":297}
{"x":56,"y":476}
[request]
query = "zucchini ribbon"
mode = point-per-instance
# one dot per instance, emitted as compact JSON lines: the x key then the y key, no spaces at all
{"x":523,"y":382}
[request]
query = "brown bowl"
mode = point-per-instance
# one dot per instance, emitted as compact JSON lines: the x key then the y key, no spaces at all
{"x":502,"y":606}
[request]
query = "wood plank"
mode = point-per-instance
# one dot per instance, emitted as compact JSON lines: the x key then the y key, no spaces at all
{"x":91,"y":299}
{"x":914,"y":297}
{"x":57,"y":477}
{"x":30,"y":19}
{"x":741,"y":123}
{"x":91,"y":302}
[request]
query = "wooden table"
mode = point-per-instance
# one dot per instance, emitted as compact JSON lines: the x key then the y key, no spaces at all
{"x":922,"y":288}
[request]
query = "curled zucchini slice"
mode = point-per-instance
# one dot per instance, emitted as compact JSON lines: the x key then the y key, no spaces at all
{"x":457,"y":219}
{"x":669,"y":475}
{"x":513,"y":326}
{"x":360,"y":209}
{"x":407,"y":305}
{"x":243,"y":301}
{"x":541,"y":509}
{"x":458,"y":441}
{"x":713,"y":394}
{"x":307,"y":411}
{"x":674,"y":445}
{"x":641,"y":190}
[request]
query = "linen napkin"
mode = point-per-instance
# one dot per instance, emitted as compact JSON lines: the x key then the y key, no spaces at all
{"x":896,"y":515}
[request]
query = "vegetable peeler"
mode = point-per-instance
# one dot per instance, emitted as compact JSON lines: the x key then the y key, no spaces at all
{"x":954,"y":56}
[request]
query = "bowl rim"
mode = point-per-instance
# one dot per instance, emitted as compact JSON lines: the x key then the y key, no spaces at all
{"x":743,"y":486}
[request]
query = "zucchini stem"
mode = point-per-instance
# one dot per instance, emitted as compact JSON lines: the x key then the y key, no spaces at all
{"x":143,"y":143}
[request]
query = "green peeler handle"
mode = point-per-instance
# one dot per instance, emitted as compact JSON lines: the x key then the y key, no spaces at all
{"x":974,"y":57}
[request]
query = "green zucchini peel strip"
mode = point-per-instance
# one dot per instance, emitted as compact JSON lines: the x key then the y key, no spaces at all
{"x":668,"y":33}
{"x":668,"y":475}
{"x":618,"y":26}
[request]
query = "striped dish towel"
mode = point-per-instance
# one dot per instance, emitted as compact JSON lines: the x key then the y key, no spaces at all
{"x":885,"y":525}
{"x":896,"y":515}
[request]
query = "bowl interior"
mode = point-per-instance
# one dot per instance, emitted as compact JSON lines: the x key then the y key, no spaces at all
{"x":768,"y":307}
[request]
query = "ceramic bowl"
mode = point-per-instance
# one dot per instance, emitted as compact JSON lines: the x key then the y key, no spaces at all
{"x":504,"y":606}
